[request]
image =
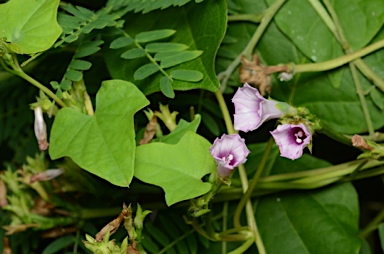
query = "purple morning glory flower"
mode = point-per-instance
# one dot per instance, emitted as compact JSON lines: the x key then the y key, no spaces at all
{"x":229,"y":151}
{"x":292,"y":139}
{"x":252,"y":109}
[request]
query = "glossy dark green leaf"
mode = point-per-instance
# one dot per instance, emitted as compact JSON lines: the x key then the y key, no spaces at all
{"x":165,"y":46}
{"x":366,"y":20}
{"x":377,"y":98}
{"x":333,"y":106}
{"x":166,"y":87}
{"x":145,"y":71}
{"x":154,"y":35}
{"x":319,"y":221}
{"x":133,"y":53}
{"x":187,"y":75}
{"x":121,"y":42}
{"x":80,"y":65}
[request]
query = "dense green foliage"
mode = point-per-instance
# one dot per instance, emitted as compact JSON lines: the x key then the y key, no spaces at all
{"x":134,"y":95}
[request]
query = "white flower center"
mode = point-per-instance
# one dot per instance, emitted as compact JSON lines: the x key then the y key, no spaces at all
{"x":228,"y":159}
{"x":299,"y":136}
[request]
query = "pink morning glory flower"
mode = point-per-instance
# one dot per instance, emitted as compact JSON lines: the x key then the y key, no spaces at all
{"x":292,"y":139}
{"x":252,"y":109}
{"x":229,"y":151}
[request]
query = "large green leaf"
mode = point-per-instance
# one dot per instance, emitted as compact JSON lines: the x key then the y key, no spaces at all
{"x":199,"y":26}
{"x":363,"y":25}
{"x":30,"y":26}
{"x":316,"y":91}
{"x":334,"y":106}
{"x":177,"y":168}
{"x":321,"y":221}
{"x":103,"y":144}
{"x":317,"y":221}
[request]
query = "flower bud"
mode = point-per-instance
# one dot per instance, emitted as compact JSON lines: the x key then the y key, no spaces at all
{"x":40,"y":129}
{"x":229,"y":151}
{"x":46,"y":175}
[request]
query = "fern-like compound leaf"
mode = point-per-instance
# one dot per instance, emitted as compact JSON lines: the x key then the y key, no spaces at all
{"x":145,"y":6}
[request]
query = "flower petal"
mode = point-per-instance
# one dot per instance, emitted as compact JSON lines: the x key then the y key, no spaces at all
{"x":251,"y":109}
{"x":229,"y":151}
{"x":286,"y":138}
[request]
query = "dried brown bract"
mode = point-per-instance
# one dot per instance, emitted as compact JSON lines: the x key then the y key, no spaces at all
{"x":3,"y":194}
{"x":254,"y":73}
{"x":359,"y":142}
{"x":259,"y":75}
{"x":150,"y":131}
{"x":112,"y":226}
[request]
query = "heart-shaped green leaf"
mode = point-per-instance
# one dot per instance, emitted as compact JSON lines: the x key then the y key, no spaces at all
{"x":103,"y":144}
{"x":178,"y":168}
{"x":29,"y":25}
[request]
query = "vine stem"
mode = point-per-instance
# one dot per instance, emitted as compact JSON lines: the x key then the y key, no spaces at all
{"x":252,"y":184}
{"x":339,"y":33}
{"x":255,"y":18}
{"x":36,"y":83}
{"x":247,"y":51}
{"x":16,"y":70}
{"x":337,"y":62}
{"x":372,"y":225}
{"x":333,"y":27}
{"x":243,"y":176}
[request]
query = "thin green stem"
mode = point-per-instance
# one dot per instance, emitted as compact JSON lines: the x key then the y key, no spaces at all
{"x":243,"y":175}
{"x":319,"y":8}
{"x":225,"y":226}
{"x":255,"y":18}
{"x":347,"y":48}
{"x":252,"y":184}
{"x":372,"y":225}
{"x":43,"y":88}
{"x":351,"y":165}
{"x":334,"y":28}
{"x":363,"y":102}
{"x":247,"y":51}
{"x":225,"y":112}
{"x":337,"y":62}
{"x":245,"y":246}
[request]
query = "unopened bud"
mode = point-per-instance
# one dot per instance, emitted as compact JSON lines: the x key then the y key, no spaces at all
{"x":40,"y":129}
{"x":285,"y":76}
{"x":46,"y":175}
